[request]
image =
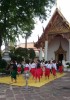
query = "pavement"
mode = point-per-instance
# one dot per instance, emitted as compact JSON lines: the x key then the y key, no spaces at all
{"x":58,"y":89}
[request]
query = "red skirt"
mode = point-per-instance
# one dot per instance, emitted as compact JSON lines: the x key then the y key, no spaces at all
{"x":47,"y":72}
{"x":33,"y":71}
{"x":38,"y":73}
{"x":26,"y":69}
{"x":54,"y":71}
{"x":60,"y":69}
{"x":19,"y":70}
{"x":41,"y":70}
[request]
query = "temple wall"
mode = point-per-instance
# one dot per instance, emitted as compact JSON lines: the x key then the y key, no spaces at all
{"x":54,"y":45}
{"x":65,"y":46}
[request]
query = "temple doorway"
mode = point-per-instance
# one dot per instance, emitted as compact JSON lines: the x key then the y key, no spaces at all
{"x":60,"y":54}
{"x":60,"y":57}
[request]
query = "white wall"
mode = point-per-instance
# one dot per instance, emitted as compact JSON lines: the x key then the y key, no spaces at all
{"x":37,"y":53}
{"x":54,"y":45}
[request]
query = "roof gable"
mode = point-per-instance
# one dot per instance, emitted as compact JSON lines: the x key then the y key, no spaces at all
{"x":58,"y":23}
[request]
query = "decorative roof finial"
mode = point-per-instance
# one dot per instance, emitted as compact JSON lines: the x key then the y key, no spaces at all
{"x":38,"y":37}
{"x":43,"y":29}
{"x":56,"y":3}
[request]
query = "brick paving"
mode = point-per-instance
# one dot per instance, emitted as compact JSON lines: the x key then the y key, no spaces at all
{"x":58,"y":89}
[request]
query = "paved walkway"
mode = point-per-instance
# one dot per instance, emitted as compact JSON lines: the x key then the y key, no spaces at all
{"x":58,"y":89}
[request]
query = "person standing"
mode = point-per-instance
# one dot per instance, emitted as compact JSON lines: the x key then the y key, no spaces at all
{"x":60,"y":68}
{"x":33,"y":68}
{"x":38,"y":71}
{"x":26,"y":67}
{"x":54,"y":68}
{"x":19,"y":68}
{"x":47,"y":69}
{"x":13,"y":71}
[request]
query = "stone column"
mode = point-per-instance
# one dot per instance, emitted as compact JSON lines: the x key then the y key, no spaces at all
{"x":46,"y":50}
{"x":69,"y":49}
{"x":6,"y":53}
{"x":6,"y":46}
{"x":40,"y":54}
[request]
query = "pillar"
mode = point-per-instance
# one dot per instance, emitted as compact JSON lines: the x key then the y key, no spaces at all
{"x":46,"y":50}
{"x":69,"y":49}
{"x":40,"y":54}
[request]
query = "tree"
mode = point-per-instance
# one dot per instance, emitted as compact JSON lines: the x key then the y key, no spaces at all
{"x":31,"y":53}
{"x":19,"y":54}
{"x":14,"y":13}
{"x":28,"y":31}
{"x":22,"y":53}
{"x":0,"y":44}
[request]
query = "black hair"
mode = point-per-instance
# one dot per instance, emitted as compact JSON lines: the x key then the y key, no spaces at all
{"x":38,"y":65}
{"x":46,"y":62}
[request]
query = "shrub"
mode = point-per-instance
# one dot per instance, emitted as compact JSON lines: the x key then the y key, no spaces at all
{"x":3,"y":64}
{"x":68,"y":63}
{"x":68,"y":66}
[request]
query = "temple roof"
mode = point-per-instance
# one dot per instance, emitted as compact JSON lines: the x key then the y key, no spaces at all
{"x":57,"y":25}
{"x":29,"y":45}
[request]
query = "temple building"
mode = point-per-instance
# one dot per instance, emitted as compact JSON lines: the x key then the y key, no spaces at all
{"x":55,"y":40}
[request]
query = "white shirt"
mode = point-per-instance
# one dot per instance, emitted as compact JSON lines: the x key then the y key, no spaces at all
{"x":33,"y":65}
{"x":54,"y":66}
{"x":48,"y":66}
{"x":18,"y":65}
{"x":27,"y":65}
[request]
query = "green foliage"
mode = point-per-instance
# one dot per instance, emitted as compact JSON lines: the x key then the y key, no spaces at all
{"x":23,"y":52}
{"x":3,"y":67}
{"x":3,"y":64}
{"x":68,"y":66}
{"x":13,"y":56}
{"x":20,"y":13}
{"x":14,"y":13}
{"x":20,"y":53}
{"x":32,"y":54}
{"x":68,"y":63}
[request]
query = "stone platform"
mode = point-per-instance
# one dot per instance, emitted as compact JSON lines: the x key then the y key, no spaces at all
{"x":58,"y":89}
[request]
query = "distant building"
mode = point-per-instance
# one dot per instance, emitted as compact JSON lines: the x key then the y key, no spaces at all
{"x":29,"y":45}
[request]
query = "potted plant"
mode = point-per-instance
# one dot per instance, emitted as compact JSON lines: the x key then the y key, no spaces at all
{"x":68,"y":68}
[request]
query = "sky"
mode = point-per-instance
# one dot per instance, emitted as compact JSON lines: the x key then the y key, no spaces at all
{"x":63,"y":5}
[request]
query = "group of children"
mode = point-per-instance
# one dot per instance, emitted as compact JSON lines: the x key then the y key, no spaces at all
{"x":36,"y":68}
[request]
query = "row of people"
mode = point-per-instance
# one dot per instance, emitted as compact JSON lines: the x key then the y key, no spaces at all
{"x":37,"y":69}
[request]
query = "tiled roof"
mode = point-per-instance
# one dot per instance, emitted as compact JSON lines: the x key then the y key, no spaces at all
{"x":29,"y":45}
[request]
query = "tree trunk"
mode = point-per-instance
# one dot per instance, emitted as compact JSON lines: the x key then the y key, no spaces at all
{"x":26,"y":42}
{"x":0,"y":53}
{"x":0,"y":44}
